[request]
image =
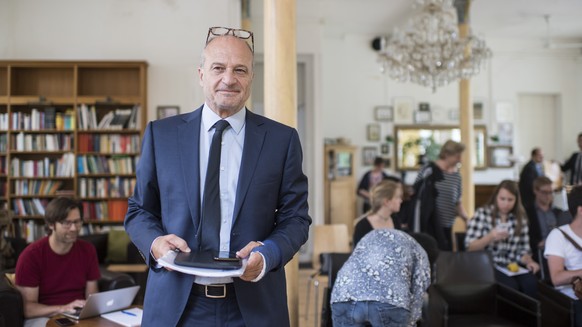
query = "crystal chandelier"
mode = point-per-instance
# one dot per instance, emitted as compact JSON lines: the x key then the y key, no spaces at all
{"x":428,"y":49}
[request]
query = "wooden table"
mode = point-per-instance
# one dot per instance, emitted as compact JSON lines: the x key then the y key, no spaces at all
{"x":89,"y":322}
{"x":128,"y":268}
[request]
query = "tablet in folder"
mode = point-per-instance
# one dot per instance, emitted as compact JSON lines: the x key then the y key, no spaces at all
{"x":209,"y":260}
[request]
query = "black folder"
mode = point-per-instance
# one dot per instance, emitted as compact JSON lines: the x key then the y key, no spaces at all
{"x":208,"y":260}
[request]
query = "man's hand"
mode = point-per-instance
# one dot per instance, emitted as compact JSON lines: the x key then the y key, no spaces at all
{"x":255,"y":263}
{"x":166,"y":243}
{"x":71,"y":307}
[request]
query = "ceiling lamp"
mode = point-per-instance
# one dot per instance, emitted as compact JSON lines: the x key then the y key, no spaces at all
{"x":429,"y":51}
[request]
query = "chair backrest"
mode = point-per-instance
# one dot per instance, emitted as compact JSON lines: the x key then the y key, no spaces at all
{"x":544,"y":268}
{"x":466,"y":280}
{"x":332,"y":238}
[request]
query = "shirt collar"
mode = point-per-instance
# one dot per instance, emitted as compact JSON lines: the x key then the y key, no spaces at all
{"x":236,"y":121}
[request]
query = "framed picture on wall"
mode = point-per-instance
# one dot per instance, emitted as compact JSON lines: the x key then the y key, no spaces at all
{"x":383,"y":113}
{"x":373,"y":132}
{"x":369,"y":153}
{"x":422,"y":117}
{"x":167,"y":111}
{"x":403,"y":110}
{"x":499,"y":156}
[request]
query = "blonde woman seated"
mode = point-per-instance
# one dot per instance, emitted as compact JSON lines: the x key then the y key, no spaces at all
{"x":385,"y":199}
{"x":501,"y":228}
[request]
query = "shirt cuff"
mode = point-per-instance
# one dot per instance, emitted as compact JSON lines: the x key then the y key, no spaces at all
{"x":263,"y":271}
{"x":151,"y":246}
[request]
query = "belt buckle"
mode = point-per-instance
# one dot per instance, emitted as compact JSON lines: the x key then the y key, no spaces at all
{"x":215,"y":296}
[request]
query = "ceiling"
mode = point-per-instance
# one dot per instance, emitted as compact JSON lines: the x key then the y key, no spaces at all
{"x":522,"y":19}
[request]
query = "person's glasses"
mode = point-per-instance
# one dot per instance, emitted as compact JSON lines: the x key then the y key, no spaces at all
{"x":68,"y":223}
{"x":546,"y":192}
{"x":237,"y":32}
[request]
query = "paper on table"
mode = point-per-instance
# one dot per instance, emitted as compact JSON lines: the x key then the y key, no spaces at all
{"x":128,"y":317}
{"x":168,"y":261}
{"x":506,"y":271}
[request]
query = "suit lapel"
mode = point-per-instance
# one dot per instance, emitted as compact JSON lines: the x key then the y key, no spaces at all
{"x":254,"y":138}
{"x":189,"y":143}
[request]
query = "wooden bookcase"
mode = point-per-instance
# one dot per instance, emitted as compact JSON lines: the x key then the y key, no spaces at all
{"x":50,"y":143}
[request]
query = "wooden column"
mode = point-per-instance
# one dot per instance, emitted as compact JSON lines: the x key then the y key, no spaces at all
{"x":281,"y":99}
{"x":466,"y":117}
{"x":246,"y":24}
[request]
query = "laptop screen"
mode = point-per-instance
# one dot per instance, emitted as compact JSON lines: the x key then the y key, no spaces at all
{"x":103,"y":302}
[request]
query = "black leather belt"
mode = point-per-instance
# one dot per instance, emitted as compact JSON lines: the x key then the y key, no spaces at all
{"x":214,"y":291}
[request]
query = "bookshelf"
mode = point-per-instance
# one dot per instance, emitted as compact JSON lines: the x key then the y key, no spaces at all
{"x":70,"y":128}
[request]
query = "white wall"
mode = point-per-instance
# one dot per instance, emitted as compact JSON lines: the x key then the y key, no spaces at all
{"x":168,"y":34}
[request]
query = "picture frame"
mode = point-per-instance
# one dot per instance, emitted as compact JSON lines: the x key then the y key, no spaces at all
{"x":383,"y":113}
{"x":422,"y":117}
{"x":385,"y":148}
{"x":499,"y":156}
{"x":369,"y":153}
{"x":373,"y":132}
{"x":403,"y":110}
{"x":168,"y":111}
{"x":478,"y":111}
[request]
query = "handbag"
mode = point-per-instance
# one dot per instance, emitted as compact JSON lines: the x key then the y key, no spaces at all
{"x":576,"y":281}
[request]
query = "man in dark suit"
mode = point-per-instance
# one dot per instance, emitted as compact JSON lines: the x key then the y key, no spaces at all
{"x":532,"y":170}
{"x":263,"y":199}
{"x":574,"y":165}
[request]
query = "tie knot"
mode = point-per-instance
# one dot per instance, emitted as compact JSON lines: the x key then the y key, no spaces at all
{"x":220,"y":126}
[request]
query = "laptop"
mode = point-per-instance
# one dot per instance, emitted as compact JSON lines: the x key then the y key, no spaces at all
{"x":104,"y":302}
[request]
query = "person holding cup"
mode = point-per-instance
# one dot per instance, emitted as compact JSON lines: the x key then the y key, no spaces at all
{"x":501,"y":228}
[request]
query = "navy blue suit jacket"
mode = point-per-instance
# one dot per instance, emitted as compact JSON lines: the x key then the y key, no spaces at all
{"x":271,"y":206}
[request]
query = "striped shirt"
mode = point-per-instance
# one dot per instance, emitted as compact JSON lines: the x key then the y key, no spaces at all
{"x":448,"y":196}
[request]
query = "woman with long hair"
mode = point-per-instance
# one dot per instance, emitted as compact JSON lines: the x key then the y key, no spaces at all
{"x":501,"y":228}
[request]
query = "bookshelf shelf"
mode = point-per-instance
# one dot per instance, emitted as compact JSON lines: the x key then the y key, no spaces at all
{"x":51,"y":110}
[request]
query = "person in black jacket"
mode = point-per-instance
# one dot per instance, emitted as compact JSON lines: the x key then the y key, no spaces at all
{"x":437,"y":196}
{"x":574,"y":165}
{"x":531,"y":170}
{"x":542,"y":216}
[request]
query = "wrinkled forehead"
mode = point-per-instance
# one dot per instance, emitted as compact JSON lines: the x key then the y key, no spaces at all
{"x":228,"y":49}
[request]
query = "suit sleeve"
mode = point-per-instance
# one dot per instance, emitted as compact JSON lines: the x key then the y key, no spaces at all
{"x":292,"y":222}
{"x":143,"y":218}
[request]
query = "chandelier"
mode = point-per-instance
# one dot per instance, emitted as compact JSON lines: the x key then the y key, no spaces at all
{"x":428,"y":49}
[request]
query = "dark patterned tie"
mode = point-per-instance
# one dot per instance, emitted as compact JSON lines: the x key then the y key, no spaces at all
{"x":211,"y":202}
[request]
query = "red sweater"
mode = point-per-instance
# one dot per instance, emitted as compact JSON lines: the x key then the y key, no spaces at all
{"x":61,"y":279}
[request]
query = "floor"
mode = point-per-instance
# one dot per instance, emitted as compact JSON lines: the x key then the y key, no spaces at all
{"x":307,"y":316}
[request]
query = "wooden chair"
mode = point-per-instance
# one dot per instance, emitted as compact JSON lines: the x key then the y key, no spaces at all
{"x":333,"y":238}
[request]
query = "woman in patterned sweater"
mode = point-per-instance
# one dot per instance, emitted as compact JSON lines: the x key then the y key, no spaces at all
{"x":500,"y":227}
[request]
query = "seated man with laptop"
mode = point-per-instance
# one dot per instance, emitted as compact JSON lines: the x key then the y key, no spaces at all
{"x":56,"y":273}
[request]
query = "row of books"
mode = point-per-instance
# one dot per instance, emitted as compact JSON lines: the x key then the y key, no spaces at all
{"x":114,"y":119}
{"x":113,"y":210}
{"x":47,"y":167}
{"x":2,"y":165}
{"x":3,"y":142}
{"x":29,"y":207}
{"x":4,"y":121}
{"x":36,"y":187}
{"x":42,"y":142}
{"x":106,"y":187}
{"x":48,"y":118}
{"x":90,"y":164}
{"x":31,"y":230}
{"x":3,"y":188}
{"x":109,"y":143}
